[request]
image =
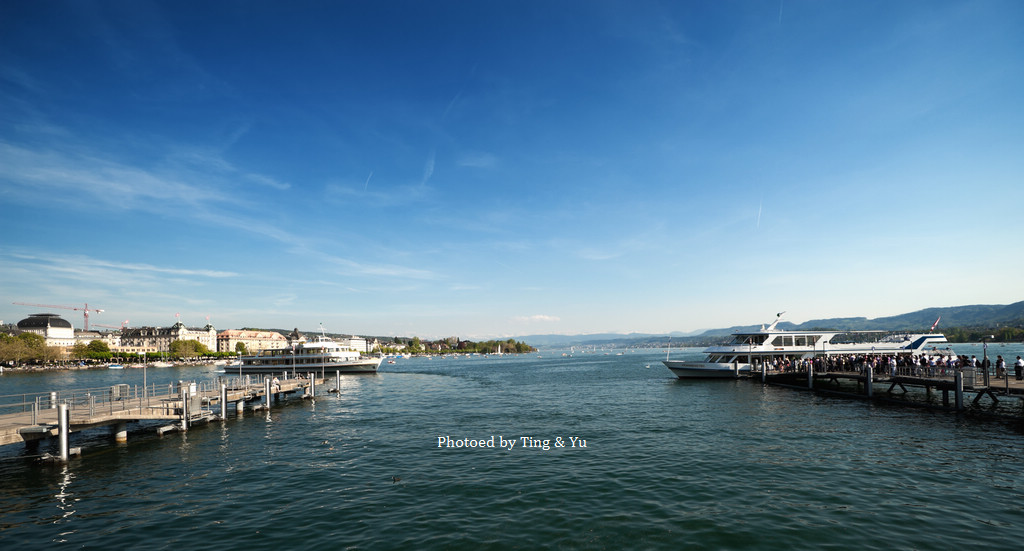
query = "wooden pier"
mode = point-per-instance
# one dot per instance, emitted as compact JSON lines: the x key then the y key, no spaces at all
{"x":960,"y":389}
{"x":30,"y":418}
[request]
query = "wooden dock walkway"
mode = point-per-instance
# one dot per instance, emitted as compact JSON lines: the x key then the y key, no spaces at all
{"x":31,"y":417}
{"x":906,"y":384}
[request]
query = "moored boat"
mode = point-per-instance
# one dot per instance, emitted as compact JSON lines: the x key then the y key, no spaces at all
{"x":748,"y":351}
{"x":321,"y":355}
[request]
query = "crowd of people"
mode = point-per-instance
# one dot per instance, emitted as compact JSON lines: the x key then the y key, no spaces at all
{"x":937,"y":364}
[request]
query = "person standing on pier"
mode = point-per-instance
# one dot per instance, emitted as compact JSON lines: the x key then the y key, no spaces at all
{"x":1000,"y":367}
{"x":1018,"y":368}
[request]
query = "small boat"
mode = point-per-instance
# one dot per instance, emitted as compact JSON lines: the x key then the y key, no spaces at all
{"x":747,"y":351}
{"x":161,"y":364}
{"x":115,"y":366}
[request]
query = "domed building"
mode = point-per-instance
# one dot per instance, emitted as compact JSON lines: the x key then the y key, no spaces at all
{"x":56,"y":330}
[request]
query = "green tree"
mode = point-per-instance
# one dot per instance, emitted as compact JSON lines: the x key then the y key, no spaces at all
{"x":97,"y":350}
{"x":79,"y":351}
{"x":189,"y":349}
{"x":13,"y":349}
{"x":53,"y":354}
{"x":35,"y":345}
{"x":240,"y":348}
{"x":98,"y":347}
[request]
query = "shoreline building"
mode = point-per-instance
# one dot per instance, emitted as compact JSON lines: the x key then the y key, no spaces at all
{"x":254,"y":341}
{"x":358,"y":344}
{"x":159,"y":339}
{"x":56,"y":330}
{"x":112,"y":338}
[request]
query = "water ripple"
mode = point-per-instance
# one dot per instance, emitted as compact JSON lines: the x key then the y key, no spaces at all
{"x":669,"y":464}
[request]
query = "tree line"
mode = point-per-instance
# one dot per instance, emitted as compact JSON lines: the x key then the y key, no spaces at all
{"x":976,"y":334}
{"x":455,"y":346}
{"x":30,"y":348}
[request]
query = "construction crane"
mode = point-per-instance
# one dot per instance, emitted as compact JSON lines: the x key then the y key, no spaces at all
{"x":84,"y":310}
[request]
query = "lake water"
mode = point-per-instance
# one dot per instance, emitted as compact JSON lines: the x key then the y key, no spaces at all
{"x":667,"y":464}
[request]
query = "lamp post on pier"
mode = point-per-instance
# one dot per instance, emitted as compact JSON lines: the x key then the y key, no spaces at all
{"x":984,"y":360}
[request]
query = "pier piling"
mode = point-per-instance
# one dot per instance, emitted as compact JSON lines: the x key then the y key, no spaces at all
{"x":958,"y":382}
{"x":121,"y":432}
{"x":223,"y":401}
{"x":63,"y":426}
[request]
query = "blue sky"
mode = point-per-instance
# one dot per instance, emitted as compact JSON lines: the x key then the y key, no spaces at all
{"x":492,"y":169}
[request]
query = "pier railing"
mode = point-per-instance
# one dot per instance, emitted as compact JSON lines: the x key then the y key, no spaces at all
{"x":90,"y":402}
{"x":972,"y":377}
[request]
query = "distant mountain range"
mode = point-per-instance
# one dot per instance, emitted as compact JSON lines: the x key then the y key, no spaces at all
{"x":979,"y":315}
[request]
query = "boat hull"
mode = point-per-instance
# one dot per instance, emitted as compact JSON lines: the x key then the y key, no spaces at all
{"x":706,"y":370}
{"x":354,"y":367}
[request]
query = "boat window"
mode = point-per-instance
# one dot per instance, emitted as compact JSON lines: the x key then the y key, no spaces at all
{"x":783,"y":340}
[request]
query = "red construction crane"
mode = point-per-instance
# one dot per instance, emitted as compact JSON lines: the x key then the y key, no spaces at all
{"x":84,"y":310}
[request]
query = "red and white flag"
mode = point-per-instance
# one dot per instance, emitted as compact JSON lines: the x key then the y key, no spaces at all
{"x":934,"y":325}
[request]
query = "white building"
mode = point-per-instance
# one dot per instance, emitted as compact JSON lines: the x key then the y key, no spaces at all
{"x":254,"y":341}
{"x":56,"y":330}
{"x":159,"y":339}
{"x":355,"y":343}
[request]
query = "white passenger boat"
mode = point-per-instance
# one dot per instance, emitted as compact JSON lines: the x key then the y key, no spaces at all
{"x":321,"y":356}
{"x":746,"y":352}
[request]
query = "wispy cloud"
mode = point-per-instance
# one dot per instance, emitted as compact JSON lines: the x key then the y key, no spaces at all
{"x":428,"y":170}
{"x":478,"y":160}
{"x":451,"y":105}
{"x":350,"y":267}
{"x":79,"y":263}
{"x":130,"y":289}
{"x":542,"y":318}
{"x":382,"y":194}
{"x":32,"y":174}
{"x":267,"y":181}
{"x":594,"y":253}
